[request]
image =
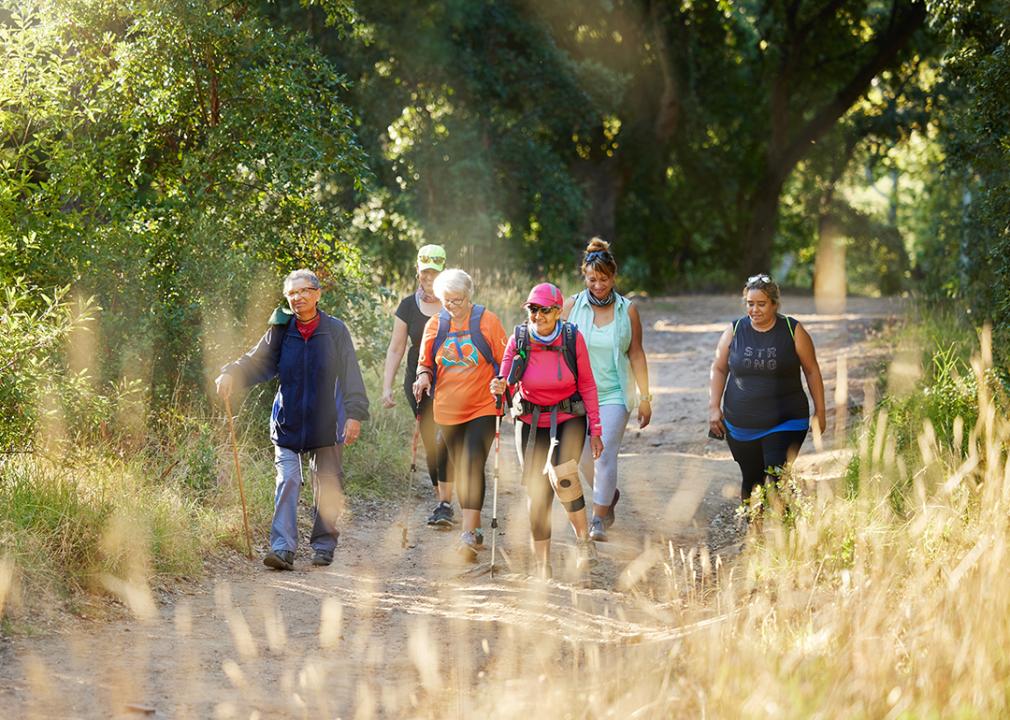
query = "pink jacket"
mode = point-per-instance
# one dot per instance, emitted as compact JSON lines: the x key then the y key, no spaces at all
{"x":541,"y":386}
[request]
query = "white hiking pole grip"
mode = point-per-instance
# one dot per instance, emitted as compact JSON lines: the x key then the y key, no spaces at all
{"x":238,"y":475}
{"x":494,"y":496}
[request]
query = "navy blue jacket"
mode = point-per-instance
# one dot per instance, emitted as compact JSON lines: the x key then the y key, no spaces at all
{"x":320,"y":382}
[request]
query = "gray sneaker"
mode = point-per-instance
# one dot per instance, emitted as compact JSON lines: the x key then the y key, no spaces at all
{"x":280,"y":560}
{"x":597,"y":530}
{"x":441,"y":516}
{"x":585,"y":553}
{"x":470,"y":541}
{"x":609,"y":518}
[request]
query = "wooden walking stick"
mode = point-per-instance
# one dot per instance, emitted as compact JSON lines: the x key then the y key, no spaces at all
{"x":238,"y":475}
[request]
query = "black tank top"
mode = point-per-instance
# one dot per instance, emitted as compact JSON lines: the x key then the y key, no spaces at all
{"x":411,"y":314}
{"x":764,"y":388}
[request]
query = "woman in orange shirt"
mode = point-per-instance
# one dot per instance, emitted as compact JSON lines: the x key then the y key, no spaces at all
{"x":461,"y":350}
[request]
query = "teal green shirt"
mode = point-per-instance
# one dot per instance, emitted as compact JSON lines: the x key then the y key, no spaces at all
{"x":600,"y":341}
{"x":618,"y":364}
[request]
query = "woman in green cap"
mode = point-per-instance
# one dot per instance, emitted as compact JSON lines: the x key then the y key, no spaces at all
{"x":412,"y":314}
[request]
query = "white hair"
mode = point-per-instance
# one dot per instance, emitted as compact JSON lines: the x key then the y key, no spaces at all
{"x":301,"y":275}
{"x":453,"y":280}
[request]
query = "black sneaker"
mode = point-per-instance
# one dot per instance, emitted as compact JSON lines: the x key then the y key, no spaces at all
{"x":280,"y":560}
{"x":441,"y":516}
{"x":322,"y":558}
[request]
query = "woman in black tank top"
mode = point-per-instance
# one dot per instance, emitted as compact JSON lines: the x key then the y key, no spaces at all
{"x":756,"y":400}
{"x":410,"y":318}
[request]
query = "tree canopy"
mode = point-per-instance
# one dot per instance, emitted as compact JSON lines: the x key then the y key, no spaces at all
{"x":173,"y":158}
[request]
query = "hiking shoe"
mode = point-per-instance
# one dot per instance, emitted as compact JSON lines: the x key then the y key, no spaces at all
{"x":585,"y":553}
{"x":597,"y":532}
{"x":470,"y":541}
{"x":441,"y":516}
{"x":322,"y":558}
{"x":280,"y":560}
{"x":609,"y":518}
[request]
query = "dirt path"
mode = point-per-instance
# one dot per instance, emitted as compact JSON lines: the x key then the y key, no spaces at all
{"x":392,"y":632}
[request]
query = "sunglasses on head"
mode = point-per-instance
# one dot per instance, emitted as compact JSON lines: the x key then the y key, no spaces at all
{"x":431,"y":259}
{"x":761,"y":278}
{"x":540,"y":309}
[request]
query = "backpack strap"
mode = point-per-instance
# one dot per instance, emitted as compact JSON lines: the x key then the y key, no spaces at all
{"x":521,"y":358}
{"x":476,"y":337}
{"x":569,"y":348}
{"x":440,"y":335}
{"x":522,"y":354}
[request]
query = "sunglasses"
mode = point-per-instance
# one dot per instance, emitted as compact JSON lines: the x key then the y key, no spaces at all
{"x":540,"y":310}
{"x":433,"y":260}
{"x":762,"y":278}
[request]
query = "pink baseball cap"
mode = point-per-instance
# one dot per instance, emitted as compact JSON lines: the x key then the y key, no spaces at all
{"x":546,"y":295}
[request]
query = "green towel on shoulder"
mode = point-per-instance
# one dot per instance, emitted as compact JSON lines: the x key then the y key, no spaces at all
{"x":281,"y":316}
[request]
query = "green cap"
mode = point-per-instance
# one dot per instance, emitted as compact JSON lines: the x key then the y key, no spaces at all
{"x":431,"y":257}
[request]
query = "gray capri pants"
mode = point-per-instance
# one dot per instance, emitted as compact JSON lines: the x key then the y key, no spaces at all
{"x":602,"y":475}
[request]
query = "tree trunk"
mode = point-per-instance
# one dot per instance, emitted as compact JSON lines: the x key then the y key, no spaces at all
{"x":829,"y":265}
{"x":603,"y":183}
{"x":760,"y":230}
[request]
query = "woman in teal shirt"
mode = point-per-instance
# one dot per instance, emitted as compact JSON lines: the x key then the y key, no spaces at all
{"x":612,"y":328}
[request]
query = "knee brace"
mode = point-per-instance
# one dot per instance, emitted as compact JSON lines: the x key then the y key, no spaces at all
{"x":565,"y":481}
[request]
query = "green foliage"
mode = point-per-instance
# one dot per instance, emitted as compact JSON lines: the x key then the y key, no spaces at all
{"x":969,"y":255}
{"x":65,"y":527}
{"x":166,"y":156}
{"x":34,"y":327}
{"x":939,"y":417}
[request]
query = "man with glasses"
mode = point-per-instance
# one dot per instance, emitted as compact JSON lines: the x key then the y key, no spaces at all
{"x":319,"y":407}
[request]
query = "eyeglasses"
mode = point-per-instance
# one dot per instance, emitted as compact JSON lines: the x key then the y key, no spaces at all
{"x":453,"y":301}
{"x":299,"y":292}
{"x":431,"y":259}
{"x":539,"y":310}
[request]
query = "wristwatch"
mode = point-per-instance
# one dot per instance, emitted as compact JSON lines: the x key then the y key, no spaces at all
{"x":645,"y":398}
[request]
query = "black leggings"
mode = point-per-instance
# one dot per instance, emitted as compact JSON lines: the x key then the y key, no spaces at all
{"x":434,"y":446}
{"x":765,"y":456}
{"x":571,"y":438}
{"x":467,"y":446}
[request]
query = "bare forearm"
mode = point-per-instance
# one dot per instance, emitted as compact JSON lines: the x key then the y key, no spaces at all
{"x":393,"y":357}
{"x":717,"y":385}
{"x":640,"y":368}
{"x":816,"y":385}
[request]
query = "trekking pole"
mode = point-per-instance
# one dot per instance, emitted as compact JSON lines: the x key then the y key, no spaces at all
{"x":410,"y":476}
{"x":238,"y":474}
{"x":494,"y":496}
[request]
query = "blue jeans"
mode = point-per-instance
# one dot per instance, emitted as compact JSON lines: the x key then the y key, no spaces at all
{"x":327,"y":497}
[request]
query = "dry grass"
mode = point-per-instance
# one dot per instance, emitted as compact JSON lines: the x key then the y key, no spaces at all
{"x":855,"y":607}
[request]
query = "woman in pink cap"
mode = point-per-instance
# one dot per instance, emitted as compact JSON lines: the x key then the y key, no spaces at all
{"x":546,"y":366}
